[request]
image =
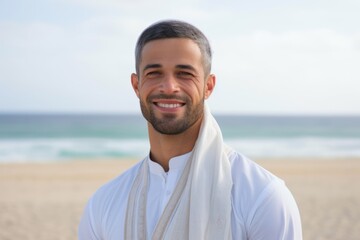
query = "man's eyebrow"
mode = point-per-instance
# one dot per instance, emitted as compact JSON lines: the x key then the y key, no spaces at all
{"x":185,"y":66}
{"x":154,"y":65}
{"x":180,"y":66}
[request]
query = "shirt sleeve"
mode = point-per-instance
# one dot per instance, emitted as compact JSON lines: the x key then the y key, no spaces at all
{"x":275,"y":215}
{"x":87,"y":229}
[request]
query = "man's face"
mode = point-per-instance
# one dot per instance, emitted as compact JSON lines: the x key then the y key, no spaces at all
{"x":171,"y":84}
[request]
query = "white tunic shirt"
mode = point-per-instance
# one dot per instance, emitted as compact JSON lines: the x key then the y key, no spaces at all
{"x":262,"y":206}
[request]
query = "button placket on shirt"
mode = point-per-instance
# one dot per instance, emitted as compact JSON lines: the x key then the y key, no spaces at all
{"x":170,"y":181}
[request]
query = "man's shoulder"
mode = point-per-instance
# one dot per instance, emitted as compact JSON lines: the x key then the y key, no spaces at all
{"x":259,"y":198}
{"x":252,"y":185}
{"x":250,"y":180}
{"x":117,"y":187}
{"x":243,"y":168}
{"x":107,"y":206}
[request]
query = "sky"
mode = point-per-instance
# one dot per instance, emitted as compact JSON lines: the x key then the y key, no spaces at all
{"x":280,"y":57}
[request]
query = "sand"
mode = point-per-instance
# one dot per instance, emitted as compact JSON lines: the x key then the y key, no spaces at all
{"x":45,"y":200}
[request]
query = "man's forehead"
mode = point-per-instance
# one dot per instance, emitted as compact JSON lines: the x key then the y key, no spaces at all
{"x":179,"y":42}
{"x":175,"y":52}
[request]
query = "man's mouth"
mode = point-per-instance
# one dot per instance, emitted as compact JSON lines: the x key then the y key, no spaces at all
{"x":169,"y":105}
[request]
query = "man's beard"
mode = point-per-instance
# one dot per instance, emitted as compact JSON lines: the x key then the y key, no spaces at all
{"x":170,"y":123}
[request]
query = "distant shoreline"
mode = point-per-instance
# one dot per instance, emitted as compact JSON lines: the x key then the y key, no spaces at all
{"x":42,"y":137}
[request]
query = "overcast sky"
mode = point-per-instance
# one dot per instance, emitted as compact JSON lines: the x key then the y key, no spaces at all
{"x":270,"y":57}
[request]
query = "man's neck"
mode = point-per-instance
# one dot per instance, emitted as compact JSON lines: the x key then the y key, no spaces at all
{"x":164,"y":147}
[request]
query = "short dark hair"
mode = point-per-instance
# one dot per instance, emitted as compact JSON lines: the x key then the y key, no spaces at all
{"x":174,"y":29}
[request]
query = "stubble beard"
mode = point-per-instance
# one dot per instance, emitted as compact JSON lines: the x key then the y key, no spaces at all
{"x":171,"y":124}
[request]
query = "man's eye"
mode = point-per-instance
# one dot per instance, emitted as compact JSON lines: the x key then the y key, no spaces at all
{"x":185,"y":74}
{"x":153,"y":74}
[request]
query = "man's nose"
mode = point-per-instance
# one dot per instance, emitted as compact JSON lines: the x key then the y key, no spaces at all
{"x":169,"y":84}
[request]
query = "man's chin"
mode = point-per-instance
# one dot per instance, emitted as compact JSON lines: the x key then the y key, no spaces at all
{"x":169,"y":126}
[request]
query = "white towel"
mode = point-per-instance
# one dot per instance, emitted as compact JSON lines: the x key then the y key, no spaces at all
{"x":200,"y":207}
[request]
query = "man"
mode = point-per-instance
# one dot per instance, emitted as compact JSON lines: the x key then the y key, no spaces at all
{"x":191,"y":186}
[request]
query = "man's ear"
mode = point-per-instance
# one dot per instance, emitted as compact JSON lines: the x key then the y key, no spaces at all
{"x":209,"y":85}
{"x":135,"y":83}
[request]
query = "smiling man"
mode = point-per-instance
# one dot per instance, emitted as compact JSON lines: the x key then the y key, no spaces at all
{"x":191,"y":185}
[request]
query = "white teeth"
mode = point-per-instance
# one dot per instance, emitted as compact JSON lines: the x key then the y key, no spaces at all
{"x":167,"y":105}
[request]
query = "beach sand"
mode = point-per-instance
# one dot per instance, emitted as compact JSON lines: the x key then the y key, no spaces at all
{"x":44,"y":201}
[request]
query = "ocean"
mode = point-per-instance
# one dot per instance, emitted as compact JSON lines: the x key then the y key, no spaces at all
{"x":68,"y":137}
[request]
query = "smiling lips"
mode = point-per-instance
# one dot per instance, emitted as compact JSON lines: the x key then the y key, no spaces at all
{"x":169,"y":105}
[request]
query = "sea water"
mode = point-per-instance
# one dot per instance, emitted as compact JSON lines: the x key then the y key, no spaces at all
{"x":54,"y":137}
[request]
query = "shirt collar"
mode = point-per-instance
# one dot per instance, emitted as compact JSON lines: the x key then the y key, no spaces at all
{"x":175,"y":164}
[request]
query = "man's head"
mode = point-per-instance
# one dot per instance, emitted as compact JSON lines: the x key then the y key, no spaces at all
{"x":174,"y":29}
{"x":173,"y":76}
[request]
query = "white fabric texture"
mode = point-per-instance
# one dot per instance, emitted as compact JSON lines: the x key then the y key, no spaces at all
{"x":262,"y":206}
{"x":200,"y":206}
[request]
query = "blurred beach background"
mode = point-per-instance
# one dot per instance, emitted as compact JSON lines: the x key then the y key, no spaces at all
{"x":39,"y":138}
{"x":287,"y":96}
